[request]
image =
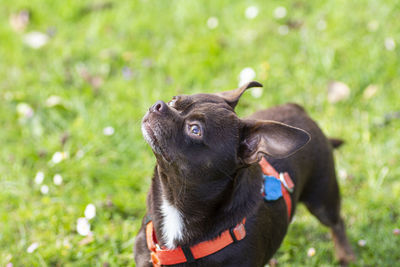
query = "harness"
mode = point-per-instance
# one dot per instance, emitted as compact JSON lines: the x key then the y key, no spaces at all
{"x":275,"y":185}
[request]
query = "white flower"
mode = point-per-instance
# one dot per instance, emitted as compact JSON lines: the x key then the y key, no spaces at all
{"x":32,"y":247}
{"x":57,"y":179}
{"x":373,"y":25}
{"x":390,"y":44}
{"x":311,"y":252}
{"x":321,"y":25}
{"x":338,"y":91}
{"x":283,"y":30}
{"x":370,"y":91}
{"x":44,"y":189}
{"x":36,"y":39}
{"x":212,"y":22}
{"x":251,"y":12}
{"x":342,"y":174}
{"x":39,"y":178}
{"x":257,"y":92}
{"x":24,"y":110}
{"x":109,"y":130}
{"x":79,"y":154}
{"x":20,"y":20}
{"x":246,"y":75}
{"x":83,"y":226}
{"x":53,"y":101}
{"x":280,"y":12}
{"x":362,"y":242}
{"x":248,"y":35}
{"x":90,"y":211}
{"x":59,"y":156}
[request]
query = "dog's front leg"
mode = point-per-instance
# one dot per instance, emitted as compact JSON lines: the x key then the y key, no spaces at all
{"x":142,"y":254}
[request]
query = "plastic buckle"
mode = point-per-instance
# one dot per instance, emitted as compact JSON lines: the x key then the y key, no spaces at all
{"x":240,"y":232}
{"x":155,"y":260}
{"x":282,"y":179}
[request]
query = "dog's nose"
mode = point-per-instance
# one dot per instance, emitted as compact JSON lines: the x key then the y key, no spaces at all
{"x":159,"y":107}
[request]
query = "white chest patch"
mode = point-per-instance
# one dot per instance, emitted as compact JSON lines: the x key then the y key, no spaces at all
{"x":172,"y":225}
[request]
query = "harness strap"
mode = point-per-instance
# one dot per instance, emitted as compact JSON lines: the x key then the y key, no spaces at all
{"x":162,"y":256}
{"x":286,"y":183}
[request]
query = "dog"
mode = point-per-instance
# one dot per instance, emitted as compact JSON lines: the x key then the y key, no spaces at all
{"x":225,"y":189}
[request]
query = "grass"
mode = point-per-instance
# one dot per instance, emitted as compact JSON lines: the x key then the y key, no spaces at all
{"x":109,"y":61}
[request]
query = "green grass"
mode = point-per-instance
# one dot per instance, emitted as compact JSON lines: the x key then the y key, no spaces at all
{"x":169,"y":50}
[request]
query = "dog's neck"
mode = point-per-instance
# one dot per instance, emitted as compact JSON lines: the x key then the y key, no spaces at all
{"x":184,"y":215}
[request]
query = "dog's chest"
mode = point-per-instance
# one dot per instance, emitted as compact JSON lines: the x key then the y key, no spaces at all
{"x":172,"y":224}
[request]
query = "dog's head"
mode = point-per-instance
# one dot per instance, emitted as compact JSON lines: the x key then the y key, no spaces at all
{"x":201,"y":134}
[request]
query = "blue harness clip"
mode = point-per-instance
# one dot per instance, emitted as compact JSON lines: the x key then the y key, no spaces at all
{"x":272,"y":188}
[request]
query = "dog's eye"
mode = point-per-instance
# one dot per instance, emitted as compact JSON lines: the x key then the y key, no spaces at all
{"x":172,"y":102}
{"x":195,"y":129}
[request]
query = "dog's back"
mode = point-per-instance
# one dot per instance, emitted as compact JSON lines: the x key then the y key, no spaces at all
{"x":314,"y":159}
{"x":313,"y":172}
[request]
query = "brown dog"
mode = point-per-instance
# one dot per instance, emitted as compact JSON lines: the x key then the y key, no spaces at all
{"x":205,"y":207}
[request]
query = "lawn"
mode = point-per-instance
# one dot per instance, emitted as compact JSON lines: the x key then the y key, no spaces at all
{"x":76,"y":77}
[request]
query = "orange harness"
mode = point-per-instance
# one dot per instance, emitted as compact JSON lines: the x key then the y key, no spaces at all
{"x":162,"y":256}
{"x":286,"y":183}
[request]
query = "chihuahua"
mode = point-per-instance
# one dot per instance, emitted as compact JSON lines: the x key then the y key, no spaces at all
{"x":225,"y":189}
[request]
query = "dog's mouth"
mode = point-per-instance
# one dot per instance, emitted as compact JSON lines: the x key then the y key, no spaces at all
{"x":152,"y":136}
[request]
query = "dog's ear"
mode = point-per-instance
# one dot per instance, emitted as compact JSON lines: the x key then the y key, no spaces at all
{"x":272,"y":138}
{"x":232,"y":97}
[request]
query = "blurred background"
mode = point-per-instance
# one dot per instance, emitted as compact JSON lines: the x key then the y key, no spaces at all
{"x":76,"y":77}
